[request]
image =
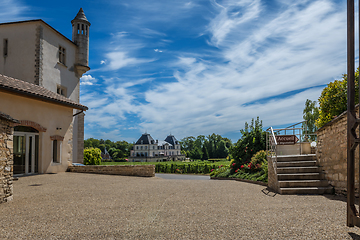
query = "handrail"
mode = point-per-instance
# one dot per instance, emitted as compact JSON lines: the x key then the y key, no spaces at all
{"x":272,"y":145}
{"x":273,"y":135}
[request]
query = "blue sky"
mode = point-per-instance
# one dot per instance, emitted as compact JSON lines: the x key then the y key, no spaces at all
{"x":198,"y":67}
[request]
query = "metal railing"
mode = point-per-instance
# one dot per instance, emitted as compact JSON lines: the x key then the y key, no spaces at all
{"x":271,"y":147}
{"x":299,"y":132}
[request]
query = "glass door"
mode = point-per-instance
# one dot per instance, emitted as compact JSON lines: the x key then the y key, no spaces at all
{"x":25,"y":153}
{"x":19,"y":154}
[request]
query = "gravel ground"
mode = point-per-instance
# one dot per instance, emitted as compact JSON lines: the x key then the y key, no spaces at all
{"x":90,"y":206}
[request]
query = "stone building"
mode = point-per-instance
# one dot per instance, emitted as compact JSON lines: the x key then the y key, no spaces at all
{"x":6,"y":157}
{"x":146,"y":149}
{"x":35,"y":52}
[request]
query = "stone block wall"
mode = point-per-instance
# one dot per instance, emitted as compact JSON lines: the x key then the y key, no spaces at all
{"x":332,"y":153}
{"x":124,"y":170}
{"x":6,"y":160}
{"x":272,"y":177}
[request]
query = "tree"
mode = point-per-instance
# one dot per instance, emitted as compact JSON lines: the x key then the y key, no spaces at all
{"x":222,"y":151}
{"x":196,"y":153}
{"x":253,"y":139}
{"x":310,"y":114}
{"x":333,"y":99}
{"x":205,"y":155}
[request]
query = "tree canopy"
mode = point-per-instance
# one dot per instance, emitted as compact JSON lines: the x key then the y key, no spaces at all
{"x":117,"y":150}
{"x":253,"y":139}
{"x":333,"y":99}
{"x":310,"y":114}
{"x":205,"y":147}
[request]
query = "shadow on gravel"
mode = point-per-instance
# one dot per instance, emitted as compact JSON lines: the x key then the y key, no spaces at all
{"x":354,"y":235}
{"x":341,"y":198}
{"x":269,"y":192}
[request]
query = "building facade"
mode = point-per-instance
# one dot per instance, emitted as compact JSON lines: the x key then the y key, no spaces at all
{"x":43,"y":135}
{"x":34,"y":52}
{"x":146,"y":149}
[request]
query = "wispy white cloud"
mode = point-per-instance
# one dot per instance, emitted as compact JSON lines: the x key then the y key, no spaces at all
{"x":232,"y":14}
{"x":87,"y":80}
{"x":12,"y":10}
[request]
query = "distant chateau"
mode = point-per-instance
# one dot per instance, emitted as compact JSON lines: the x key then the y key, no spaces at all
{"x":146,"y":149}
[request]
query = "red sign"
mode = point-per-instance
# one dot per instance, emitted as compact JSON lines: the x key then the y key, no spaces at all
{"x":286,"y":139}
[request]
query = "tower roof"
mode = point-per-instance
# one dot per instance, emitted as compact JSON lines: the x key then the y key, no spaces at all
{"x":145,"y":139}
{"x":172,"y":140}
{"x":80,"y":16}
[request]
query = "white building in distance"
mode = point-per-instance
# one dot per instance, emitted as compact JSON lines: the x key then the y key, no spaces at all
{"x":146,"y":149}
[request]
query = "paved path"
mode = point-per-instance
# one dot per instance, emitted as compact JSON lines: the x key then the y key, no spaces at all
{"x":90,"y":206}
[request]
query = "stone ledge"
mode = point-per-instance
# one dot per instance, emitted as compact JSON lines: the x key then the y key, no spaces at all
{"x":124,"y":170}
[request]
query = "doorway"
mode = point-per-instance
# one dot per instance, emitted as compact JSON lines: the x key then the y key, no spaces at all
{"x":26,"y":150}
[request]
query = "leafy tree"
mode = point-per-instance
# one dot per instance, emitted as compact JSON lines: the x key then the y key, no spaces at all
{"x":92,"y":156}
{"x":310,"y":114}
{"x":222,"y":151}
{"x":117,"y":150}
{"x":333,"y":99}
{"x":253,"y":139}
{"x":196,"y":153}
{"x":205,"y":155}
{"x":211,"y":143}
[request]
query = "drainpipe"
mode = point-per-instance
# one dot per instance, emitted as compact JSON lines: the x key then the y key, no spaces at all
{"x":78,"y":113}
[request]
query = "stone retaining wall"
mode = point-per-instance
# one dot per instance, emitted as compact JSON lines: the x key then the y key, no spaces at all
{"x":124,"y":170}
{"x":273,"y":182}
{"x":332,"y":153}
{"x":6,"y":157}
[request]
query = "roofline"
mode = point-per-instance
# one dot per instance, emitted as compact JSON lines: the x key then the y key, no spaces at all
{"x":39,"y":20}
{"x":42,"y":98}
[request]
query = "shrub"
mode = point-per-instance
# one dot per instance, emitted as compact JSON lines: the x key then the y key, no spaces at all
{"x":92,"y":156}
{"x":253,"y":140}
{"x":259,"y":158}
{"x":333,"y":99}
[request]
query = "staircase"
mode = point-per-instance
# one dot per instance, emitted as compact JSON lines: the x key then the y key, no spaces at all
{"x":299,"y":174}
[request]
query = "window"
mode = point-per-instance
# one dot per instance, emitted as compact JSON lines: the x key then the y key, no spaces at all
{"x":62,"y":55}
{"x":6,"y":46}
{"x":56,"y":146}
{"x":61,"y":90}
{"x":145,"y":147}
{"x":137,"y":147}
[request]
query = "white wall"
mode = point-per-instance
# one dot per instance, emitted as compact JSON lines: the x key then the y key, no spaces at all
{"x":20,"y":62}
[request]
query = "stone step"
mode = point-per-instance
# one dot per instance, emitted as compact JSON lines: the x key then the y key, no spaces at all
{"x":296,"y":158}
{"x":300,"y":176}
{"x":296,"y":164}
{"x":303,"y":183}
{"x":307,"y":190}
{"x":287,"y":170}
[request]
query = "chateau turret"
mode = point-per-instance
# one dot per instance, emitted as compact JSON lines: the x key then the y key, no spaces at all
{"x":80,"y":36}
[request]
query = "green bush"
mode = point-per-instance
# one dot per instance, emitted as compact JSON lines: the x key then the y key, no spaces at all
{"x":259,"y":158}
{"x":253,"y":140}
{"x":333,"y":99}
{"x":92,"y":156}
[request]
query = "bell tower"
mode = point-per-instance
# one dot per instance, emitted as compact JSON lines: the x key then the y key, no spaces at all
{"x":80,"y":36}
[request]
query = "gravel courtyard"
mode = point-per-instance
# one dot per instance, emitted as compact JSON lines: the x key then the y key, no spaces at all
{"x":90,"y":206}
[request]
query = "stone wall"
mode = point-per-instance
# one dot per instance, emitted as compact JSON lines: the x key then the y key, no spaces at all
{"x":332,"y":153}
{"x":124,"y":170}
{"x":273,"y":182}
{"x":6,"y":157}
